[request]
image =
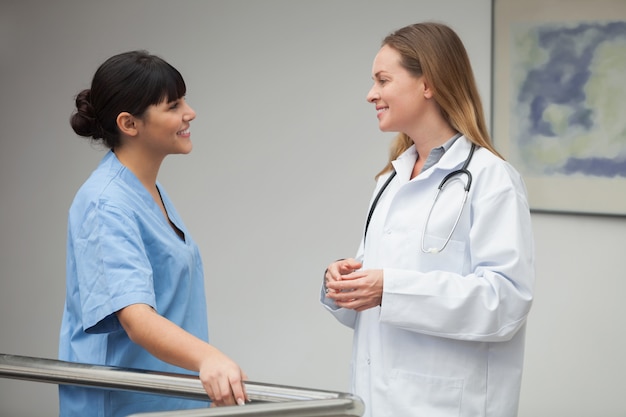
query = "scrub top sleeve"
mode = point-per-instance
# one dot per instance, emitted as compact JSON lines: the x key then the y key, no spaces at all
{"x":112,"y":267}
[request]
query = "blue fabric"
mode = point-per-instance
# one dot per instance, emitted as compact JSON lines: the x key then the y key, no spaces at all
{"x":122,"y":251}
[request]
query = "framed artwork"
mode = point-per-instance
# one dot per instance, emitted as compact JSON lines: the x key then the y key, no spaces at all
{"x":559,"y":101}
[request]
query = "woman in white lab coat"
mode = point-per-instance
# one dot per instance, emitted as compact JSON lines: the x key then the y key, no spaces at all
{"x":438,"y":310}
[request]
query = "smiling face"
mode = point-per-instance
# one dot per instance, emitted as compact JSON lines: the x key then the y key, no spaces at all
{"x":165,"y":126}
{"x":399,"y":96}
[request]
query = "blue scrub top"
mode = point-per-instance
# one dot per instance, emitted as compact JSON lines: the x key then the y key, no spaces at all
{"x":122,"y":251}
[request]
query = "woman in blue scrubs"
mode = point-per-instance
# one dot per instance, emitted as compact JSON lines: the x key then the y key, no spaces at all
{"x":135,"y":283}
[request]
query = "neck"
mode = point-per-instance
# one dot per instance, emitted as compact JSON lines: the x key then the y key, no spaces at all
{"x":145,"y":168}
{"x":425,"y":143}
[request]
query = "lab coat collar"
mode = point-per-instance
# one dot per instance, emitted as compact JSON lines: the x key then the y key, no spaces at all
{"x":450,"y":160}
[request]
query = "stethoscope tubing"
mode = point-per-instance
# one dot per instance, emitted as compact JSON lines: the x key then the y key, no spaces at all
{"x":375,"y":202}
{"x":463,"y":171}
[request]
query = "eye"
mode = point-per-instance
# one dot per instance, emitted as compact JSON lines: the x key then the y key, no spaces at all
{"x":174,"y":104}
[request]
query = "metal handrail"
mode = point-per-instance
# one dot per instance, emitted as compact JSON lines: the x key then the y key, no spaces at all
{"x":338,"y":407}
{"x":267,"y":399}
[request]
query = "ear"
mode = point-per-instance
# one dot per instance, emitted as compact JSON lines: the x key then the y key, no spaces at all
{"x":428,"y":91}
{"x":126,"y":123}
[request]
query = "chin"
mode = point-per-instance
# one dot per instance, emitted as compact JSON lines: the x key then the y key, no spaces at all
{"x":183,"y":151}
{"x":185,"y":148}
{"x":384,"y":128}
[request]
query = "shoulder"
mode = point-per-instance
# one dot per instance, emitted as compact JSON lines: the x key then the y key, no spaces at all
{"x":490,"y":172}
{"x":109,"y":187}
{"x":485,"y":160}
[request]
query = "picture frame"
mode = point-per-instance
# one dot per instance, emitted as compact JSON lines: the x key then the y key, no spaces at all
{"x":559,"y":101}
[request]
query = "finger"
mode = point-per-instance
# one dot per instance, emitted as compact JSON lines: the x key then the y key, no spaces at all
{"x":359,"y":304}
{"x":354,"y":275}
{"x":343,"y":296}
{"x":349,"y":284}
{"x":351,"y":264}
{"x":334,"y":287}
{"x":221,"y":392}
{"x":227,"y":393}
{"x":239,"y":392}
{"x":244,"y":377}
{"x":329,"y":277}
{"x":209,"y":392}
{"x":334,"y":273}
{"x":353,"y":304}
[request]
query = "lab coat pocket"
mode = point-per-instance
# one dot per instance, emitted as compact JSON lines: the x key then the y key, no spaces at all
{"x":415,"y":395}
{"x":450,"y":258}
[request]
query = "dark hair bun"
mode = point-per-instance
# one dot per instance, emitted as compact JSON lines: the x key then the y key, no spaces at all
{"x":83,"y":120}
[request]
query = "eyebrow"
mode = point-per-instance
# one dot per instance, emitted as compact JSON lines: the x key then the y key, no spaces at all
{"x":378,"y":74}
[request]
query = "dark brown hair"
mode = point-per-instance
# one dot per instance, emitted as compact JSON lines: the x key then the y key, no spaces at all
{"x":128,"y":82}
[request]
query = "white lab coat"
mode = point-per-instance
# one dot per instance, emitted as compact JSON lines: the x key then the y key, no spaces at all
{"x":448,"y":339}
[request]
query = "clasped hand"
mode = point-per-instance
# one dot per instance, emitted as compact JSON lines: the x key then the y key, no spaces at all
{"x":353,"y":288}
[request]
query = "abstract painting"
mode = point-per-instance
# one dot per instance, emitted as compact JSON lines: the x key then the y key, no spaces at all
{"x":560,"y":102}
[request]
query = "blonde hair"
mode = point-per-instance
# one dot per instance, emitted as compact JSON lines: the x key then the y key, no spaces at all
{"x":435,"y":51}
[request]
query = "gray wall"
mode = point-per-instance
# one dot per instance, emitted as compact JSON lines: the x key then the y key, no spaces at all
{"x":286,"y":148}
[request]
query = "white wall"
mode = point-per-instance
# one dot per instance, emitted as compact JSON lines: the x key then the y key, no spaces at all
{"x":576,"y":336}
{"x":277,"y":185}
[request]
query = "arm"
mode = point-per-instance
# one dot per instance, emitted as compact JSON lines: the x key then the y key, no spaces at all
{"x":488,"y":294}
{"x":221,"y":377}
{"x":115,"y":279}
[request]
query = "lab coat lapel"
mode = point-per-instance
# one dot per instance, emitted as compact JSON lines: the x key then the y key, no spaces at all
{"x":404,"y":164}
{"x":455,"y":156}
{"x":451,"y":160}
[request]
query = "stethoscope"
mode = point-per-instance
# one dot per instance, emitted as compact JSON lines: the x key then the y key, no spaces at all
{"x":446,"y":180}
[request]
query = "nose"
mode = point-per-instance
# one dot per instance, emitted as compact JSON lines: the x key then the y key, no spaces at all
{"x":372,"y":95}
{"x":190,"y":113}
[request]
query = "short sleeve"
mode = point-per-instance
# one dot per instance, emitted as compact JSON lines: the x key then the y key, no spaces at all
{"x":112,"y":267}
